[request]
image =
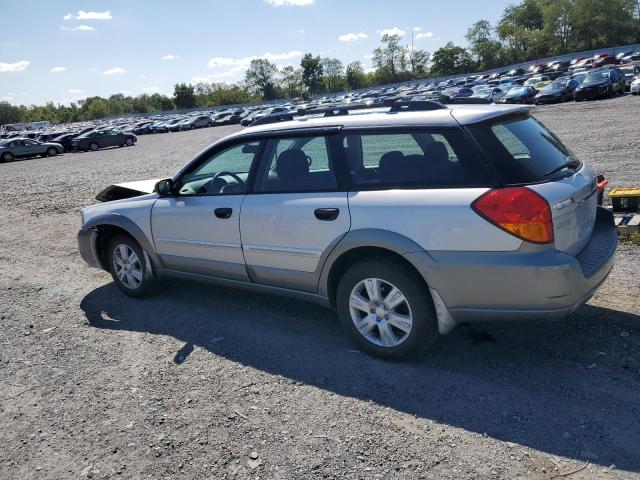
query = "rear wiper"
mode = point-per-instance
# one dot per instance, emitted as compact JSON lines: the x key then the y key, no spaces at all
{"x":570,"y":164}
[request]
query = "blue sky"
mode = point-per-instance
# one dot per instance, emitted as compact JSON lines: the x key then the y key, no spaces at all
{"x":64,"y":51}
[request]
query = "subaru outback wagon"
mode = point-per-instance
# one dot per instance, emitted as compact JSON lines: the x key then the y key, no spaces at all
{"x":405,"y":220}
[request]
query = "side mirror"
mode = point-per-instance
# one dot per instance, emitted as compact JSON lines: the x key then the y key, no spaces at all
{"x":164,"y":188}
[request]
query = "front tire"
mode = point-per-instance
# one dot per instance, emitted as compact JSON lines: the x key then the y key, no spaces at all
{"x":385,"y":308}
{"x":128,"y":267}
{"x":128,"y":142}
{"x":93,"y":146}
{"x":52,"y":152}
{"x":7,"y":157}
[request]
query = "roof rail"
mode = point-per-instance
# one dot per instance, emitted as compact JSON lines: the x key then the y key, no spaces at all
{"x":468,"y":101}
{"x":273,"y":118}
{"x":330,"y":112}
{"x":419,"y":106}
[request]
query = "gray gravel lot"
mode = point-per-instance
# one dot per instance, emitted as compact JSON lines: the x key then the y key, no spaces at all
{"x":202,"y":382}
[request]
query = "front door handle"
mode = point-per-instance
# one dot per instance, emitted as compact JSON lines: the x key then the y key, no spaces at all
{"x":223,"y":212}
{"x":327,"y":214}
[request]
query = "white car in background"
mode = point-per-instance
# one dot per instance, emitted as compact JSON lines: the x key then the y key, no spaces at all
{"x":635,"y":86}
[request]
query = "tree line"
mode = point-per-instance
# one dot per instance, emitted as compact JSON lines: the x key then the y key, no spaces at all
{"x":526,"y":30}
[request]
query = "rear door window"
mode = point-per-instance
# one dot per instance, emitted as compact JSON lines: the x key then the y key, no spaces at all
{"x":522,"y":149}
{"x":417,"y":158}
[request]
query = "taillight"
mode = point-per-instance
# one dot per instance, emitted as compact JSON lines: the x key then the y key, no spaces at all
{"x":519,"y":211}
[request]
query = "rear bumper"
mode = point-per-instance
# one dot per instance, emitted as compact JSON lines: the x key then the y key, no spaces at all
{"x":479,"y":286}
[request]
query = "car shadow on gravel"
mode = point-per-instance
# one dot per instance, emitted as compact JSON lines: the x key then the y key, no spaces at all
{"x":568,"y":388}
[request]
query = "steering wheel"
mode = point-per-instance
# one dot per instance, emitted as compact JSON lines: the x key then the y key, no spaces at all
{"x":224,"y":173}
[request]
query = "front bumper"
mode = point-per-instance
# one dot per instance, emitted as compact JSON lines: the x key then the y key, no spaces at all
{"x":87,"y":243}
{"x":548,"y":284}
{"x":591,"y":93}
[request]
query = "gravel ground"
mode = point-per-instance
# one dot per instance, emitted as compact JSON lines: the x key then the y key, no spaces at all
{"x":202,"y":382}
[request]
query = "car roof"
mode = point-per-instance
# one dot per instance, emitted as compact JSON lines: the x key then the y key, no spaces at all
{"x":450,"y":116}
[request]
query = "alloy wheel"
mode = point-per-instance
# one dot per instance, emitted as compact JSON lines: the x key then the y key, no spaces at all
{"x":380,"y":312}
{"x":127,"y":266}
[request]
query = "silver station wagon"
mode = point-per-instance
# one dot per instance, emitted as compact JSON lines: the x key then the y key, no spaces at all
{"x":405,"y":220}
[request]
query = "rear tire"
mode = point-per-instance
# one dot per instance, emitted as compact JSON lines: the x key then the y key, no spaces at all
{"x":7,"y":157}
{"x":128,"y":267}
{"x":128,"y":142}
{"x":93,"y":146}
{"x":52,"y":152}
{"x":400,"y":323}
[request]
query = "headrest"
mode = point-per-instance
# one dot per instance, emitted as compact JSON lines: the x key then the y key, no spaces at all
{"x":292,"y":165}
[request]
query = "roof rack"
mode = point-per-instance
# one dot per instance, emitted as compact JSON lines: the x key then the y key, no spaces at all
{"x":274,"y":118}
{"x":419,"y":106}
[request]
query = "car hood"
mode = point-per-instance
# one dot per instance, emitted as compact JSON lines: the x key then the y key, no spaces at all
{"x":120,"y":191}
{"x":596,"y":83}
{"x":553,"y":91}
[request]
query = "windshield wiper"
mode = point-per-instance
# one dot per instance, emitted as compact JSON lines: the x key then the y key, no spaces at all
{"x":570,"y":164}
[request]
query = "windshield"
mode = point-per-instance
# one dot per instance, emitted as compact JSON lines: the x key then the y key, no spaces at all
{"x":595,"y":76}
{"x":517,"y":91}
{"x":483,"y":91}
{"x":555,"y":86}
{"x":525,"y":151}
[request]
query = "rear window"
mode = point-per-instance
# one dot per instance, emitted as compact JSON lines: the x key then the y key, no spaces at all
{"x":418,"y":158}
{"x":522,"y":149}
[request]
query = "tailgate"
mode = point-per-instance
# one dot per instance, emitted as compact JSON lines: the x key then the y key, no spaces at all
{"x":573,"y":202}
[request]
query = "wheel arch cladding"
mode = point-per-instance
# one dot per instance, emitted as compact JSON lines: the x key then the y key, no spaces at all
{"x":366,"y":243}
{"x":110,"y":224}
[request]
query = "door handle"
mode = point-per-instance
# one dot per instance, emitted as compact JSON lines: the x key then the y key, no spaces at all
{"x":326,"y":214}
{"x":223,"y":212}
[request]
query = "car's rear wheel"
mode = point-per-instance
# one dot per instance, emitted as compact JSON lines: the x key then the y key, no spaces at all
{"x":210,"y":124}
{"x":52,"y":152}
{"x":7,"y":157}
{"x":386,"y":309}
{"x":93,"y":146}
{"x":192,"y":127}
{"x":128,"y":142}
{"x":127,"y":266}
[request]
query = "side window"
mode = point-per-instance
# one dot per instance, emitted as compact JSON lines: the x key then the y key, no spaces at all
{"x":224,"y":173}
{"x":296,"y":164}
{"x":414,"y":159}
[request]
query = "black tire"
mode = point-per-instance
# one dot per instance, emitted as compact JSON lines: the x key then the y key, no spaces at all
{"x":7,"y":157}
{"x":424,"y":329}
{"x":93,"y":146}
{"x":210,"y":124}
{"x":192,"y":127}
{"x":129,"y":142}
{"x":52,"y":152}
{"x":145,"y":286}
{"x":610,"y":93}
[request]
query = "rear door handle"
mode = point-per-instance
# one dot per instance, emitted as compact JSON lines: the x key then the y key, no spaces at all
{"x":327,"y":214}
{"x":223,"y":212}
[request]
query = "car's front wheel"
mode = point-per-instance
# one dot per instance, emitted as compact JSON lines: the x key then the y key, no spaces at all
{"x":386,"y":309}
{"x":127,"y":266}
{"x":52,"y":152}
{"x":93,"y":146}
{"x":7,"y":157}
{"x":129,"y":142}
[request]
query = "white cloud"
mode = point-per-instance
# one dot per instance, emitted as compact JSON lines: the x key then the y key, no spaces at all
{"x":245,"y":61}
{"x":301,"y":31}
{"x":81,"y":28}
{"x":171,"y":56}
{"x":417,"y":29}
{"x":393,"y":31}
{"x":424,"y":35}
{"x":151,"y":89}
{"x":68,"y":16}
{"x":14,"y":67}
{"x":289,"y":3}
{"x":352,"y":37}
{"x":82,"y":15}
{"x":75,"y":90}
{"x":57,"y":69}
{"x":368,"y":56}
{"x":114,"y":71}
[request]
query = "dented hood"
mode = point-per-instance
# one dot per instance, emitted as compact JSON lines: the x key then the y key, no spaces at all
{"x":119,"y":191}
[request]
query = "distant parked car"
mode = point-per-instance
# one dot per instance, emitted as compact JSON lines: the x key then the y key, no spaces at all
{"x":560,"y":90}
{"x":494,"y":94}
{"x":634,"y":57}
{"x":26,"y":147}
{"x":97,"y":139}
{"x":524,"y":94}
{"x":635,"y":86}
{"x":200,"y":121}
{"x":65,"y":140}
{"x":601,"y":83}
{"x":630,"y":72}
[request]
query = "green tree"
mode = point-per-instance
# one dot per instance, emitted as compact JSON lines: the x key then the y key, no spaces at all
{"x":260,"y":78}
{"x":521,"y":30}
{"x":94,"y":108}
{"x":451,"y":60}
{"x":603,"y":23}
{"x":419,"y":62}
{"x":389,"y":59}
{"x":486,"y":49}
{"x":291,"y":81}
{"x":333,"y":76}
{"x":355,"y":76}
{"x":184,"y":96}
{"x":9,"y":113}
{"x":312,"y":73}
